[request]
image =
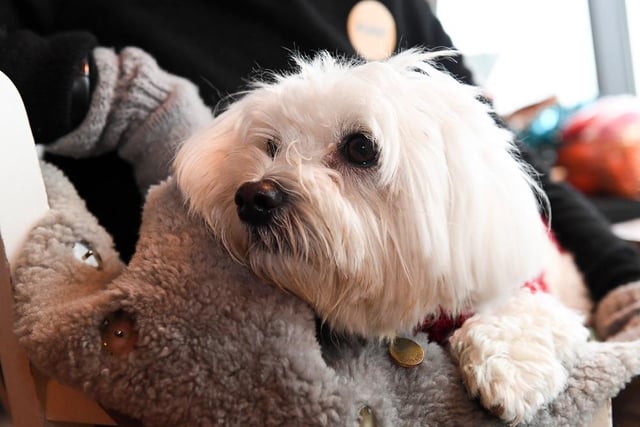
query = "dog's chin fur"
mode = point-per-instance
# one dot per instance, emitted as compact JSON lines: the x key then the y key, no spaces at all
{"x":448,"y":218}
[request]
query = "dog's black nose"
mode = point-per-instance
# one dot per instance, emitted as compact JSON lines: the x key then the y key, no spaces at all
{"x":258,"y":200}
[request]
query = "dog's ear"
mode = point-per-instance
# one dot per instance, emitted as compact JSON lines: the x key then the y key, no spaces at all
{"x":495,"y":205}
{"x":483,"y":230}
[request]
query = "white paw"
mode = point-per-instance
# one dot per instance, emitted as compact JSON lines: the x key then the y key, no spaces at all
{"x":515,"y":362}
{"x":512,"y":379}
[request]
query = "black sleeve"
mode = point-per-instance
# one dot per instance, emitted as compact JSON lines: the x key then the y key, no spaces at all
{"x":54,"y":76}
{"x":605,"y":260}
{"x":9,"y":16}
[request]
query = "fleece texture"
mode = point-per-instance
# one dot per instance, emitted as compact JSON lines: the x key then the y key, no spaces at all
{"x":216,"y":346}
{"x":138,"y":110}
{"x":617,"y":317}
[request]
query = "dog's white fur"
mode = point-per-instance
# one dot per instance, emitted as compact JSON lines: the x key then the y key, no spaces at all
{"x":448,"y":218}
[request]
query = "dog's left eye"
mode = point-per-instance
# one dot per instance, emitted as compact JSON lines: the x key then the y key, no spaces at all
{"x":272,"y":148}
{"x":359,"y":150}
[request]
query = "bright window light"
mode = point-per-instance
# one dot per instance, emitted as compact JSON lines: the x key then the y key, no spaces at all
{"x":633,"y":16}
{"x":523,"y":52}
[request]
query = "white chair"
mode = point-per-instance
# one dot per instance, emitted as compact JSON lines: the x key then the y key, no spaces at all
{"x":31,"y":399}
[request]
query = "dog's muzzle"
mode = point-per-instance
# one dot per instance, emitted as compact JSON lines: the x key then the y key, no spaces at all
{"x":257,"y":201}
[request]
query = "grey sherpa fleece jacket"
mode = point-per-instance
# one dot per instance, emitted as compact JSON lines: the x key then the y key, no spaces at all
{"x":216,"y":346}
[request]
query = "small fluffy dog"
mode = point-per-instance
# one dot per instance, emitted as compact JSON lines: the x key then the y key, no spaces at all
{"x":383,"y":193}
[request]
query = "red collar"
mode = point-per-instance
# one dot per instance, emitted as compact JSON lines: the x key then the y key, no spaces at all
{"x":440,"y":327}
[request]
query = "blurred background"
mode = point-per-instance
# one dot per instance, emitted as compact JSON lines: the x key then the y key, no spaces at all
{"x":564,"y":75}
{"x":527,"y":50}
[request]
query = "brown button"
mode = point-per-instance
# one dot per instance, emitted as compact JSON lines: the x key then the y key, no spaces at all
{"x":118,"y":333}
{"x":371,"y":30}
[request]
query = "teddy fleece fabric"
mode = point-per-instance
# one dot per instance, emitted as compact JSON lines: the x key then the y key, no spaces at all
{"x":216,"y":346}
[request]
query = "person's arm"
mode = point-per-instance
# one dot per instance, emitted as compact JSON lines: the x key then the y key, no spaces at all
{"x":84,"y":101}
{"x":137,"y":110}
{"x":55,"y":76}
{"x":610,"y":265}
{"x":119,"y":112}
{"x":605,"y":260}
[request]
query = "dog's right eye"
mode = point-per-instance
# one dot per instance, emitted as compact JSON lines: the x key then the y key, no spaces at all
{"x":272,"y":148}
{"x":359,"y":150}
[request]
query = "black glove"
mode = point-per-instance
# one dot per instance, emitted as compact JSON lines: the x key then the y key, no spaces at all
{"x":54,"y":76}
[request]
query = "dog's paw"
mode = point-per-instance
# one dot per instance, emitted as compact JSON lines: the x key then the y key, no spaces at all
{"x":513,"y":378}
{"x":517,"y":361}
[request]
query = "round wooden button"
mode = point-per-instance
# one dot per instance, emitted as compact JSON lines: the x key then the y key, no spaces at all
{"x":372,"y":30}
{"x":118,"y":333}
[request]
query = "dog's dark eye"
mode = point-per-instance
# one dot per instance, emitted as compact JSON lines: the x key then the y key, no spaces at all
{"x":359,"y":150}
{"x":272,"y":148}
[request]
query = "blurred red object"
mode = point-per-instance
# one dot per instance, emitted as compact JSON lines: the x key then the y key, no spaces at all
{"x":600,"y":147}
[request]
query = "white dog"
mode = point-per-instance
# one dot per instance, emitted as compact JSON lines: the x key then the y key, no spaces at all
{"x":382,"y":193}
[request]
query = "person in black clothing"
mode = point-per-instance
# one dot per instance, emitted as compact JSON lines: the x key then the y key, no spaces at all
{"x":220,"y":46}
